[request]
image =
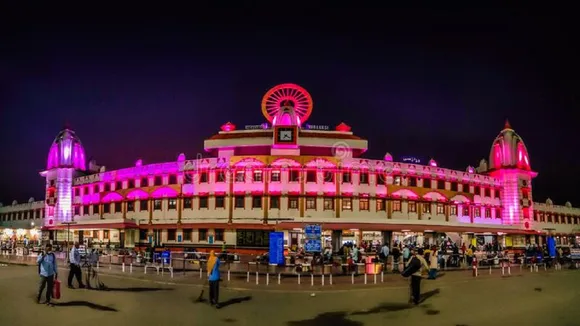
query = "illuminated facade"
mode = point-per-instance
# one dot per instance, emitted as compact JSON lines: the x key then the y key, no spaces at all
{"x":281,"y":175}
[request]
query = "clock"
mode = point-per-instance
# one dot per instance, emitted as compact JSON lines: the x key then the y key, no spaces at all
{"x":285,"y":135}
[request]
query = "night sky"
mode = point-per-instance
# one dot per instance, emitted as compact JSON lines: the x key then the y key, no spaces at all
{"x":426,"y":83}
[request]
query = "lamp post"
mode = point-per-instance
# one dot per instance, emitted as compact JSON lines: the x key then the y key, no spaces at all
{"x":68,"y":224}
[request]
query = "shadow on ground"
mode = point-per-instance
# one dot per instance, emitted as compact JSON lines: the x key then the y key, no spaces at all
{"x":337,"y":318}
{"x":233,"y":301}
{"x":85,"y":304}
{"x":103,"y":287}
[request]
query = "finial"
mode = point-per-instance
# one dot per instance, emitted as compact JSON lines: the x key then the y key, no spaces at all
{"x":66,"y":125}
{"x":507,"y":124}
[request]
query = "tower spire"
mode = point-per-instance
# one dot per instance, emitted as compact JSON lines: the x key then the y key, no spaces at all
{"x":507,"y":125}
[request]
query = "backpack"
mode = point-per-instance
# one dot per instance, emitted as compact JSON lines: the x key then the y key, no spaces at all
{"x":41,"y":260}
{"x":411,"y":268}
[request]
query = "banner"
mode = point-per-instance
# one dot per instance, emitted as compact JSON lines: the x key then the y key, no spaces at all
{"x":276,"y":253}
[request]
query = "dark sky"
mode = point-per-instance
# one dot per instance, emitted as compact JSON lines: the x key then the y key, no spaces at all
{"x":422,"y":82}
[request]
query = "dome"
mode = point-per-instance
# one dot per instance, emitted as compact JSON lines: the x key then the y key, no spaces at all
{"x":286,"y":116}
{"x":549,"y":202}
{"x":509,"y":151}
{"x":66,"y":151}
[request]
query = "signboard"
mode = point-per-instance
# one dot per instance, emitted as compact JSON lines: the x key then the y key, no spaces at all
{"x":575,"y":254}
{"x":410,"y":159}
{"x":316,"y":127}
{"x":179,"y":238}
{"x":166,"y":256}
{"x":257,"y":127}
{"x":551,"y":244}
{"x":276,"y":253}
{"x":313,"y":234}
{"x":210,"y":239}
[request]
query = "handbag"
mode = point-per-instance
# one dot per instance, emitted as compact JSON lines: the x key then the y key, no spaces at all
{"x":411,"y":268}
{"x":56,"y":289}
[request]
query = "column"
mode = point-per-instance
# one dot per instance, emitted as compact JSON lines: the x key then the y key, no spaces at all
{"x":446,"y":208}
{"x":265,"y":196}
{"x":101,"y":210}
{"x":301,"y":198}
{"x":337,"y":199}
{"x":230,"y":177}
{"x":150,"y":209}
{"x":387,"y":238}
{"x":336,"y":240}
{"x":389,"y":208}
{"x":179,"y":208}
{"x":419,"y":209}
{"x":124,"y":208}
{"x":471,"y":212}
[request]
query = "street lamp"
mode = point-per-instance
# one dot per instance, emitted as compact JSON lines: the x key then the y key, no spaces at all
{"x":68,"y":224}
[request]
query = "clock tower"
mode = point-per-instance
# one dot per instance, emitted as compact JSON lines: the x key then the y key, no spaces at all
{"x":286,"y":129}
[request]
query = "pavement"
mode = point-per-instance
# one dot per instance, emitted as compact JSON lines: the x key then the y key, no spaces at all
{"x":543,"y":298}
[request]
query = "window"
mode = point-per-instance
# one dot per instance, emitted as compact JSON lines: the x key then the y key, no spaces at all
{"x":77,"y":210}
{"x":256,"y":201}
{"x":328,"y":203}
{"x":203,"y":202}
{"x":397,"y":181}
{"x":487,"y":212}
{"x":172,"y":179}
{"x":158,"y":181}
{"x":465,"y":187}
{"x":453,"y":210}
{"x":202,"y":235}
{"x":380,"y":204}
{"x":96,"y":209}
{"x":328,"y":176}
{"x":292,"y":202}
{"x":157,"y":204}
{"x":311,"y":203}
{"x":536,"y":216}
{"x":131,"y":183}
{"x":85,"y":212}
{"x":187,"y":203}
{"x":143,"y":205}
{"x":172,"y":203}
{"x":426,"y":183}
{"x":144,"y":182}
{"x":187,"y":234}
{"x":496,"y":193}
{"x":465,"y":210}
{"x":239,"y":201}
{"x":106,"y":208}
{"x":487,"y":192}
{"x":346,"y":177}
{"x":118,"y":207}
{"x":220,"y":201}
{"x":221,"y":176}
{"x":106,"y":234}
{"x":118,"y":185}
{"x":275,"y":176}
{"x":477,"y":211}
{"x":107,"y":186}
{"x":203,"y":177}
{"x":130,"y":206}
{"x":396,"y":205}
{"x":364,"y":178}
{"x":477,"y":190}
{"x":294,"y":176}
{"x":441,"y":184}
{"x":310,"y":176}
{"x":440,"y":209}
{"x":381,"y":178}
{"x":274,"y":202}
{"x":258,"y":176}
{"x":497,"y":213}
{"x":347,"y":204}
{"x":363,"y":204}
{"x":454,"y":186}
{"x":77,"y":192}
{"x":426,"y":208}
{"x":171,"y":234}
{"x":412,"y":182}
{"x":96,"y":189}
{"x":219,"y":234}
{"x":240,"y":176}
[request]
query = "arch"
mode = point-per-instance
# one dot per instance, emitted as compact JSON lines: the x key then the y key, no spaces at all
{"x":406,"y":193}
{"x":164,"y":192}
{"x":285,"y":163}
{"x":459,"y":199}
{"x":435,"y":195}
{"x":249,"y":162}
{"x":137,"y":194}
{"x":320,"y":163}
{"x":112,"y":197}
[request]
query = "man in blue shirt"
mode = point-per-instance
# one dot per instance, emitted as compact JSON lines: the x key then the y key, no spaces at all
{"x":75,"y":267}
{"x":48,"y":273}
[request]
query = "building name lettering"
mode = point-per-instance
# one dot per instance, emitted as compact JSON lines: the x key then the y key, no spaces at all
{"x":316,"y":127}
{"x":87,"y":179}
{"x":256,"y":127}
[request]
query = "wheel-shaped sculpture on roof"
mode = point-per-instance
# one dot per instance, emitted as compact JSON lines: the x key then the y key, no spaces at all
{"x":287,"y":94}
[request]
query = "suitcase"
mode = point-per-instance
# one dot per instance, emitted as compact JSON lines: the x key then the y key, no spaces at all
{"x":56,"y":289}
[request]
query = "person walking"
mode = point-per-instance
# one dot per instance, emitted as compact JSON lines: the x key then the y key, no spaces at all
{"x":417,"y":276}
{"x":433,"y":263}
{"x":213,"y":272}
{"x":48,"y":272}
{"x":75,"y":267}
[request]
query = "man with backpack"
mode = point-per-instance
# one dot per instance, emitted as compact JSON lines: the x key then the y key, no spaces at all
{"x":48,"y":272}
{"x":414,"y":268}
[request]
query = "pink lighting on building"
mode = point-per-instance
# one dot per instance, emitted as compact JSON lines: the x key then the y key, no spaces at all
{"x":228,"y":126}
{"x":112,"y":197}
{"x":164,"y":192}
{"x":432,"y":163}
{"x":139,"y":163}
{"x":343,"y":127}
{"x":285,"y":95}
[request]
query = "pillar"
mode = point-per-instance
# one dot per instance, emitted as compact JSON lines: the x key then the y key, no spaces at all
{"x":266,"y":197}
{"x":389,"y":208}
{"x":388,"y":238}
{"x":446,"y":208}
{"x":150,"y":209}
{"x":230,"y":178}
{"x":301,"y":199}
{"x":124,"y":208}
{"x":419,"y":209}
{"x":101,"y":210}
{"x":336,"y":240}
{"x":337,"y":200}
{"x":179,"y":208}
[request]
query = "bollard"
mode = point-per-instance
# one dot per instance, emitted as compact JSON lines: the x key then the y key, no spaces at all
{"x":131,"y":268}
{"x":536,"y":268}
{"x":298,"y":278}
{"x":311,"y":279}
{"x":352,"y":277}
{"x":145,"y":269}
{"x":257,"y":282}
{"x":278,"y":278}
{"x":97,"y":264}
{"x":123,"y":267}
{"x":502,"y":270}
{"x":200,"y":271}
{"x":531,"y":268}
{"x":228,"y":275}
{"x":489,"y":269}
{"x":322,"y":279}
{"x":382,"y":276}
{"x":509,"y":270}
{"x":330,"y":281}
{"x":267,"y":278}
{"x":375,"y":276}
{"x":365,"y":278}
{"x":248,"y":279}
